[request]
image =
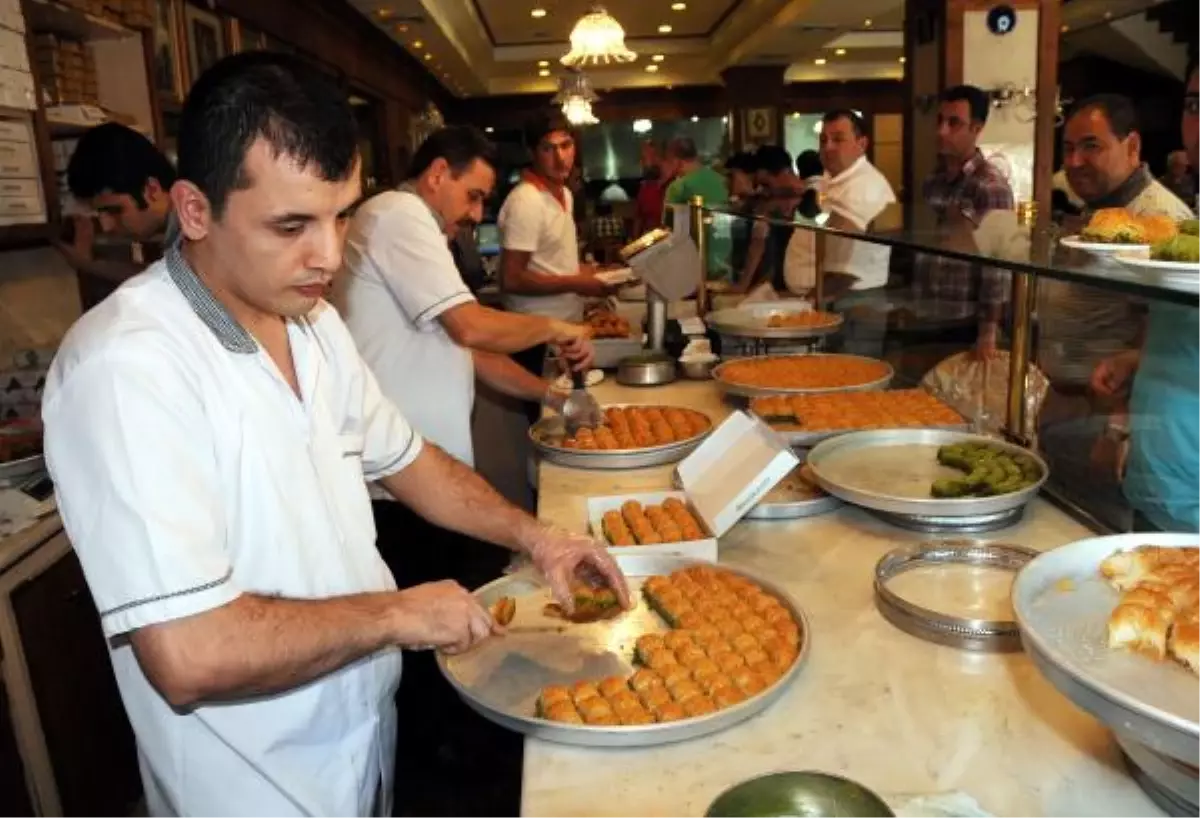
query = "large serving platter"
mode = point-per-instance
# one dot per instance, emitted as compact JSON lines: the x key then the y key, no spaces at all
{"x":501,"y":678}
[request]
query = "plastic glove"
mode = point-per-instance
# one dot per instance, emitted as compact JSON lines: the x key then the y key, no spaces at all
{"x":562,"y":556}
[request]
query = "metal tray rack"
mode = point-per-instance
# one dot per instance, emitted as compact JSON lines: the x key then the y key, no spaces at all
{"x":501,"y":678}
{"x":546,"y":432}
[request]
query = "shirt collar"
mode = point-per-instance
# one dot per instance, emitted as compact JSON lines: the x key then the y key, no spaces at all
{"x":557,"y":191}
{"x":850,"y":171}
{"x":1125,"y":192}
{"x":409,"y":187}
{"x":232,"y":335}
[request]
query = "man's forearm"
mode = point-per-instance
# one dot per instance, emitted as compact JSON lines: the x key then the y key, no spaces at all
{"x":532,"y":282}
{"x":481,"y":328}
{"x":259,"y":645}
{"x":506,"y":376}
{"x":450,"y":495}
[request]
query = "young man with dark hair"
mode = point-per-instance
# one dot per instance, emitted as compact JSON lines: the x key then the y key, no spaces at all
{"x":540,"y":270}
{"x":119,"y":175}
{"x":210,"y":430}
{"x":963,"y":189}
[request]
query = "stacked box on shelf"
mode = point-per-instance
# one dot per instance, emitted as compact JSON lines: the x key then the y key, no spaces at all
{"x":67,"y":69}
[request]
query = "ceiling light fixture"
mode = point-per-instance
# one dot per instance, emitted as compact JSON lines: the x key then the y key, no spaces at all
{"x":841,"y":52}
{"x":695,"y":118}
{"x":651,"y":68}
{"x":679,"y":7}
{"x":664,"y":29}
{"x":537,"y":12}
{"x":642,"y":126}
{"x":819,"y":61}
{"x":903,"y":60}
{"x":418,"y":44}
{"x":545,"y":72}
{"x":384,"y":13}
{"x":597,"y":38}
{"x":658,"y":58}
{"x":576,"y":96}
{"x":489,"y":129}
{"x":867,"y":23}
{"x":401,"y":28}
{"x":543,"y":63}
{"x":428,"y":56}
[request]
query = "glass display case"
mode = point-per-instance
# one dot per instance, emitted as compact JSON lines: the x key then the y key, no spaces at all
{"x":1087,"y":353}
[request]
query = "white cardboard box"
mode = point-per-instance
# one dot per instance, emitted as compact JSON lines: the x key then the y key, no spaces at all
{"x":727,"y":475}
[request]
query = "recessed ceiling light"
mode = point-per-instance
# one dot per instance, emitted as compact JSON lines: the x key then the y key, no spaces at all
{"x":418,"y":44}
{"x":658,"y":58}
{"x":695,"y":118}
{"x":401,"y":28}
{"x":819,"y":61}
{"x":867,"y":22}
{"x":428,"y":56}
{"x":795,"y":114}
{"x":664,"y":29}
{"x":652,"y":68}
{"x":545,"y":72}
{"x":543,"y":63}
{"x":902,"y":59}
{"x":489,"y":129}
{"x":537,"y":12}
{"x":679,"y":7}
{"x":384,"y":13}
{"x":841,"y":52}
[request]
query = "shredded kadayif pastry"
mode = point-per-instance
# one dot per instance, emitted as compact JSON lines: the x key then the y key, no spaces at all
{"x":856,"y":410}
{"x":1159,"y":611}
{"x":801,"y":320}
{"x":804,"y":371}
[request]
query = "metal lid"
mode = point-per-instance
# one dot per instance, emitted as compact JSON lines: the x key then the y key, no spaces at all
{"x":965,"y":632}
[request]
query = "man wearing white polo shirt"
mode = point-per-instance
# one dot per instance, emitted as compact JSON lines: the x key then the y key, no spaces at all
{"x":540,"y":273}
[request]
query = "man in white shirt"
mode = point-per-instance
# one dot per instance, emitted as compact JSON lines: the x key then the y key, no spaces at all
{"x":210,"y":427}
{"x":540,"y":273}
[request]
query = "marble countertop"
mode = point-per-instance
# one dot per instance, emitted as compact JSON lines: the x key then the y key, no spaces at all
{"x":900,"y":715}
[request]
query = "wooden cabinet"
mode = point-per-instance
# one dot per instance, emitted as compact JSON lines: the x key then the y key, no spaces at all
{"x":14,"y":793}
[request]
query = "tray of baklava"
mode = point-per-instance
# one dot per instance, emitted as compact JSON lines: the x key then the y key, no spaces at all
{"x":704,"y":648}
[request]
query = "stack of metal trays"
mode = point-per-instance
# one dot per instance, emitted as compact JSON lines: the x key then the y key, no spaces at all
{"x":1062,"y":606}
{"x":891,"y":471}
{"x":548,"y":433}
{"x":1170,"y":783}
{"x":752,"y":321}
{"x":501,"y":678}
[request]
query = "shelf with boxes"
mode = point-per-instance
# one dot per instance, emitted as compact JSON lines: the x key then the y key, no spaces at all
{"x":22,"y":197}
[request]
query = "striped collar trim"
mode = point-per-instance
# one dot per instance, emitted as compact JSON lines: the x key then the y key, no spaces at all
{"x":232,"y":335}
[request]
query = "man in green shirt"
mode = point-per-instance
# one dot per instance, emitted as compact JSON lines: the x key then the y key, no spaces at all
{"x":693,"y":178}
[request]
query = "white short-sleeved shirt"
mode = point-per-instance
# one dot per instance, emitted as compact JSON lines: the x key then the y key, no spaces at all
{"x":398,"y":278}
{"x":532,"y":220}
{"x":187,"y":473}
{"x":858,"y":194}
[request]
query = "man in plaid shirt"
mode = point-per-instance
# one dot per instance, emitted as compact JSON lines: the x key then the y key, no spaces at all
{"x":961,"y":192}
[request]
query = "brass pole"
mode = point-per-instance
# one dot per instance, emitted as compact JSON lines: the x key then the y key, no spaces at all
{"x":1023,"y":295}
{"x":700,"y":236}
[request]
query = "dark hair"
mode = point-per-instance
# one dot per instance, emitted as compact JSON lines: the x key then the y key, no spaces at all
{"x":539,"y":126}
{"x":808,"y":163}
{"x":683,"y":147}
{"x":459,"y":145}
{"x":976,"y":98}
{"x":298,"y":110}
{"x":743,"y":161}
{"x":1118,"y":110}
{"x":856,"y":121}
{"x":773,"y":159}
{"x":115,"y":158}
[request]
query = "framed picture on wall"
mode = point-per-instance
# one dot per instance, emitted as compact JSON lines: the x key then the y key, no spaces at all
{"x":168,"y":61}
{"x":759,"y":126}
{"x":205,"y":39}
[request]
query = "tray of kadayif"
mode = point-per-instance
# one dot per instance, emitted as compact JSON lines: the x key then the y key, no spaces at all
{"x":804,"y":420}
{"x":1112,"y":623}
{"x":631,"y":437}
{"x":800,"y":374}
{"x":705,"y":647}
{"x":778,"y":319}
{"x":927,"y":472}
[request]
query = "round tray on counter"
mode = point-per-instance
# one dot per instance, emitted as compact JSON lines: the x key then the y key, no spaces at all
{"x":750,"y":321}
{"x":546,"y":432}
{"x":800,"y":438}
{"x":747,"y":391}
{"x":1062,"y":606}
{"x":891,"y":470}
{"x":501,"y":678}
{"x":1171,"y":784}
{"x":793,"y":510}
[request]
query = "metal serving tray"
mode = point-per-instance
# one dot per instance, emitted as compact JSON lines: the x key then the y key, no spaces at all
{"x":1062,"y":605}
{"x":806,"y":439}
{"x":750,"y":321}
{"x":891,"y":470}
{"x":553,"y":429}
{"x":742,"y":390}
{"x":501,"y":679}
{"x":794,"y":510}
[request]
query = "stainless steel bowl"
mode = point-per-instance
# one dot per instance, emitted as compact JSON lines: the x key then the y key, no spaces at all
{"x":646,"y":369}
{"x":698,"y":369}
{"x":797,"y":794}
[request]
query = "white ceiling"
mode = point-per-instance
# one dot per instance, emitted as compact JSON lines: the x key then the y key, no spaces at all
{"x":490,"y":47}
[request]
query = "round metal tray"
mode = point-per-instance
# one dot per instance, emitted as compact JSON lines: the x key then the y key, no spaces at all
{"x":982,"y":635}
{"x":1062,"y":605}
{"x":742,"y":390}
{"x":553,"y":428}
{"x":502,"y":677}
{"x":750,"y":321}
{"x":958,"y":525}
{"x":859,"y":468}
{"x":1171,"y":784}
{"x":793,"y":510}
{"x":807,"y":439}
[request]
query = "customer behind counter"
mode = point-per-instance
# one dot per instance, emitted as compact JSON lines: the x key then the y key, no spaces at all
{"x":540,"y":271}
{"x":1081,"y":326}
{"x":119,"y":175}
{"x":1162,"y":475}
{"x":210,"y":429}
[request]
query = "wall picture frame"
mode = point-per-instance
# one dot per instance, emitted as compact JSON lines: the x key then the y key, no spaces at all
{"x":759,"y":126}
{"x":205,"y":39}
{"x":168,"y":56}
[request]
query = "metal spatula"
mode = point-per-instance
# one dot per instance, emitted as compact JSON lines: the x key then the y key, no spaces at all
{"x":580,"y":408}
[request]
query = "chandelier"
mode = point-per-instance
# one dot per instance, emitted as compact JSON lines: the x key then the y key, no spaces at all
{"x":576,"y":96}
{"x":597,"y":38}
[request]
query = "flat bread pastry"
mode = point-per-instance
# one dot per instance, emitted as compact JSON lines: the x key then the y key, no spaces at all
{"x":1158,"y":612}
